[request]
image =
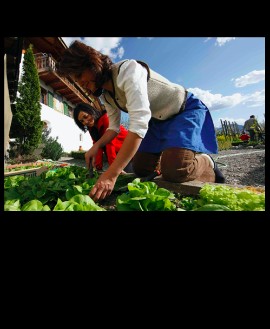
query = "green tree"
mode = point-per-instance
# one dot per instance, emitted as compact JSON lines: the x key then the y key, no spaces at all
{"x":26,"y":126}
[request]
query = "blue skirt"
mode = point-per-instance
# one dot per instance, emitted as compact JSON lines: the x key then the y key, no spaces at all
{"x":192,"y":129}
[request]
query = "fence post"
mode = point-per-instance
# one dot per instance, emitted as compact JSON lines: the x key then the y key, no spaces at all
{"x":223,"y":129}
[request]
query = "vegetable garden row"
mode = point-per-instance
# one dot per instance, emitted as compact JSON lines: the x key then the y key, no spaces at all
{"x":67,"y":189}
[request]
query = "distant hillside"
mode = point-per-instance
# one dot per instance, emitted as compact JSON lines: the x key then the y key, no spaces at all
{"x":239,"y":126}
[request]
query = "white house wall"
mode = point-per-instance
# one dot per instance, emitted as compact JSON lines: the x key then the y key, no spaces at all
{"x":65,"y":129}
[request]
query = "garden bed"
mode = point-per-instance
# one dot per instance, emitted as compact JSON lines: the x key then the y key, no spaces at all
{"x":55,"y":187}
{"x":181,"y":190}
{"x":31,"y":169}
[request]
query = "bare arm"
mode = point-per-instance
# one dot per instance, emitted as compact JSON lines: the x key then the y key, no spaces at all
{"x":106,"y":181}
{"x":132,"y":80}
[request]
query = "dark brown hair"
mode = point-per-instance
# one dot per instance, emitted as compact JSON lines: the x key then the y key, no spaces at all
{"x":79,"y":57}
{"x":88,"y":109}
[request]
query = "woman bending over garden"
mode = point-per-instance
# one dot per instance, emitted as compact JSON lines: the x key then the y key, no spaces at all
{"x":87,"y":118}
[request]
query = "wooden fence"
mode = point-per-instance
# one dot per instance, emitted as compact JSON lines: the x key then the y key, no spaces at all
{"x":230,"y":129}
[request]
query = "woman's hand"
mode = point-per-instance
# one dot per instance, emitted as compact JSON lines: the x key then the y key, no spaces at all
{"x":103,"y":187}
{"x":90,"y":156}
{"x":105,"y":184}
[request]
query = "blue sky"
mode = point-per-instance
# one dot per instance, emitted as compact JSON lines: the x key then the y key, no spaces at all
{"x":227,"y":74}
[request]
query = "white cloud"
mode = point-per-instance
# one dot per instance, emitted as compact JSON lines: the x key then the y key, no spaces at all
{"x":256,"y":99}
{"x":250,"y":78}
{"x":107,"y":46}
{"x":207,"y":39}
{"x":120,"y":52}
{"x":221,"y":41}
{"x":218,"y":101}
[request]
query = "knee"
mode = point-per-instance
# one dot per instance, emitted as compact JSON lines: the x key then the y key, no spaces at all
{"x":177,"y":165}
{"x":177,"y":175}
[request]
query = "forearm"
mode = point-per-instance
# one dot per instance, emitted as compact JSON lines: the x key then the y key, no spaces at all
{"x":106,"y":181}
{"x":106,"y":138}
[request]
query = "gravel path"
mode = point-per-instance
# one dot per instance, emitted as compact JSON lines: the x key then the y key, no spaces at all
{"x":242,"y":166}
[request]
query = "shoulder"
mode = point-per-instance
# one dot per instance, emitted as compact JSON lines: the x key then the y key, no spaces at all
{"x":104,"y":114}
{"x":103,"y":118}
{"x":131,"y":69}
{"x":129,"y":64}
{"x":122,"y":65}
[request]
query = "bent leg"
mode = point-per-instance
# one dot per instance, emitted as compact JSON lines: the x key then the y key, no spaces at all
{"x":183,"y":165}
{"x":252,"y":135}
{"x":145,"y":163}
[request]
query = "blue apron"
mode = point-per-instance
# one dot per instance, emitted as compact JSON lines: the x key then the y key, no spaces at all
{"x":192,"y":129}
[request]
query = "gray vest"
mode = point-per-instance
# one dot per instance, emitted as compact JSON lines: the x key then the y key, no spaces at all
{"x":166,"y":98}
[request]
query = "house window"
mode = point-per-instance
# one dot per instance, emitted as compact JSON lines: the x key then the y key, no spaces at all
{"x":70,"y":110}
{"x":43,"y":96}
{"x":58,"y":105}
{"x":66,"y":111}
{"x":50,"y":99}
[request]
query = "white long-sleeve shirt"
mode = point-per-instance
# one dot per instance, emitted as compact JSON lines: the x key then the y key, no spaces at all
{"x":132,"y":79}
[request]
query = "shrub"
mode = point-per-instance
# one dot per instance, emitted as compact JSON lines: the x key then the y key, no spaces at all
{"x":14,"y":156}
{"x":78,"y":154}
{"x":223,"y":144}
{"x":52,"y":148}
{"x":26,"y":158}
